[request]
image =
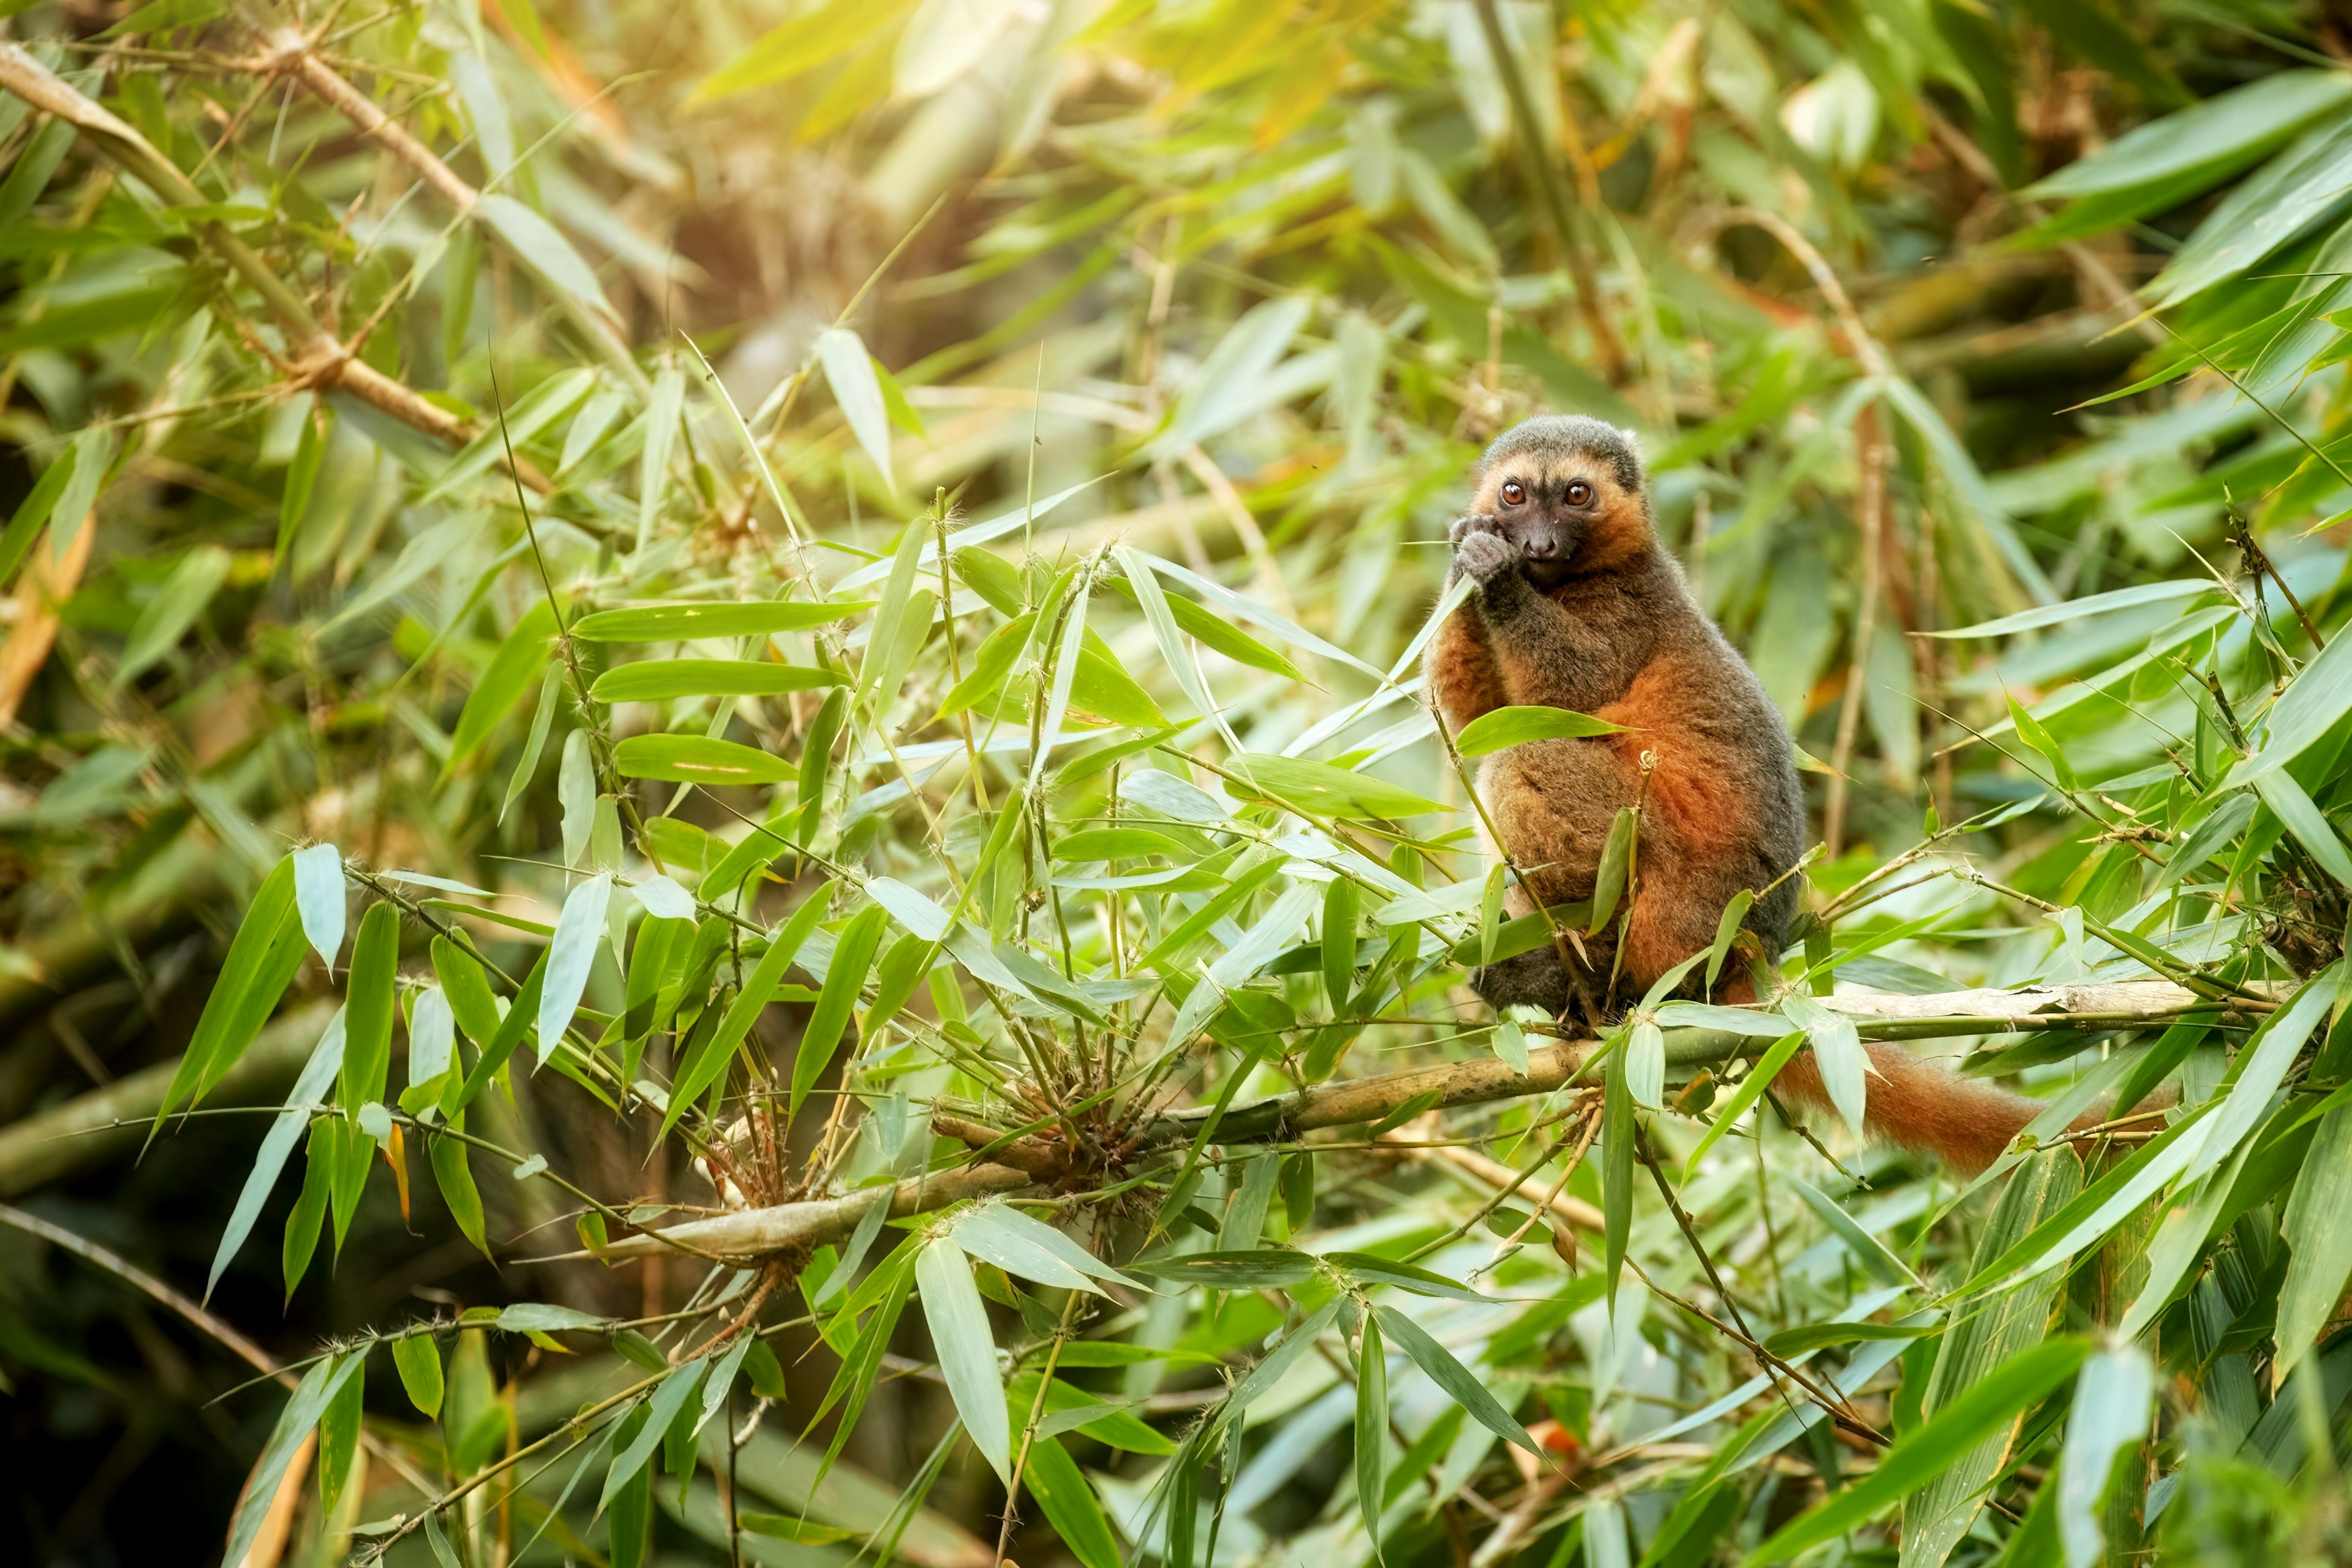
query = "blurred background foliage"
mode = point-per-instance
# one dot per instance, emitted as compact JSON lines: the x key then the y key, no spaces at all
{"x":2013,"y":320}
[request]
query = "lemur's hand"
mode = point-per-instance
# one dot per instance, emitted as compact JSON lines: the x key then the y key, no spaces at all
{"x":1481,"y":551}
{"x":1476,"y":522}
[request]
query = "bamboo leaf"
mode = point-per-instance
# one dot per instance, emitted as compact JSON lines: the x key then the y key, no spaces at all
{"x":849,"y":370}
{"x":1371,"y":1429}
{"x":966,"y":1350}
{"x":659,"y":681}
{"x":309,"y":1093}
{"x":570,"y":953}
{"x":300,"y":1417}
{"x":319,"y":898}
{"x":698,"y":622}
{"x":1460,"y":1383}
{"x":852,"y":955}
{"x":367,"y":1053}
{"x":1504,"y":727}
{"x":1751,"y":1088}
{"x":418,"y":1361}
{"x":704,"y":1064}
{"x":2110,"y":1413}
{"x":172,"y":610}
{"x":2318,"y":1241}
{"x":662,"y":411}
{"x":700,"y":760}
{"x":1979,"y":1412}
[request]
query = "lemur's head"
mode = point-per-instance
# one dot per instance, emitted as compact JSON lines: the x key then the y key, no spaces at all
{"x":1570,"y":493}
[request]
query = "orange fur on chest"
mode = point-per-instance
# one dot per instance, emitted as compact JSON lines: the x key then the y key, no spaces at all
{"x":1690,"y":801}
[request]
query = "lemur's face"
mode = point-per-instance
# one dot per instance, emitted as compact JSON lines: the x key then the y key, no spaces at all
{"x":1552,"y":507}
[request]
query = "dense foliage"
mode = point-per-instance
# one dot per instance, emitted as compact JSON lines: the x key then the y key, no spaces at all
{"x":678,"y":676}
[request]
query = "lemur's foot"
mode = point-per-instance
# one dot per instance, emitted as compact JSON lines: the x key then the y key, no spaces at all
{"x":1532,"y":979}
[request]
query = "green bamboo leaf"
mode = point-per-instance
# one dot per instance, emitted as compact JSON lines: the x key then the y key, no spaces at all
{"x":891,"y":610}
{"x":706,"y":1062}
{"x":1617,"y":1134}
{"x":801,"y":43}
{"x":339,"y":1435}
{"x":533,"y":412}
{"x":2318,"y":1239}
{"x":2319,"y":694}
{"x":2294,"y":806}
{"x":1342,"y":907}
{"x":1101,"y":688}
{"x":965,"y":1349}
{"x":174,"y":608}
{"x":1460,"y":1383}
{"x":853,"y":954}
{"x":542,"y":719}
{"x":857,"y":393}
{"x":1070,"y":1505}
{"x":1837,"y":1052}
{"x":310,"y":1212}
{"x":2109,"y":1415}
{"x":521,"y":659}
{"x":418,"y":1361}
{"x":657,"y":680}
{"x":2075,"y":611}
{"x":32,"y":513}
{"x":1021,"y":1245}
{"x":990,"y":666}
{"x":1371,"y":1429}
{"x":540,"y":246}
{"x":1981,"y":1411}
{"x":799,"y":1531}
{"x":1792,"y":1343}
{"x":570,"y":953}
{"x":1645,"y":1064}
{"x":36,"y":161}
{"x":1982,"y":1333}
{"x":318,"y":900}
{"x":1867,"y":1249}
{"x":816,"y":764}
{"x":309,"y":1093}
{"x":1616,"y":865}
{"x":695,"y":622}
{"x":367,"y":1053}
{"x":668,"y":1397}
{"x":1726,"y":931}
{"x":1258,"y":1269}
{"x":1420,"y":1281}
{"x":309,"y":1402}
{"x":662,"y":411}
{"x":1507,"y":727}
{"x":700,"y":760}
{"x":1187,"y":617}
{"x":1324,"y":790}
{"x":1751,"y":1088}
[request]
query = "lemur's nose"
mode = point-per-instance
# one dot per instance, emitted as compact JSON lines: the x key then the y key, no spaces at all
{"x":1541,"y":548}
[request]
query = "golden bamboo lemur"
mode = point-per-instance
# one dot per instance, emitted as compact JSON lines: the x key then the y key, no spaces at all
{"x":1578,"y":607}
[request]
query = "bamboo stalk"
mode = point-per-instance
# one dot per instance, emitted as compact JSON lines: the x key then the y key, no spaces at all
{"x":2118,"y":1005}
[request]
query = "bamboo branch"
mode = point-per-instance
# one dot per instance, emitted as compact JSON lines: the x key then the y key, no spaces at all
{"x":319,"y":358}
{"x":2118,"y":1005}
{"x":290,"y":54}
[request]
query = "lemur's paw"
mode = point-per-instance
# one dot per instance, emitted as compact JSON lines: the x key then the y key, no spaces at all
{"x":1485,"y":557}
{"x":1477,"y":522}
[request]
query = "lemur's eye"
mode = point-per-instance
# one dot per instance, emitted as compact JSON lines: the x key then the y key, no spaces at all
{"x":1515,"y":493}
{"x":1578,"y":493}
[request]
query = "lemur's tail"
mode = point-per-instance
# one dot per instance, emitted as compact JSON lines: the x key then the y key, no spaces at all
{"x":1917,"y":1105}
